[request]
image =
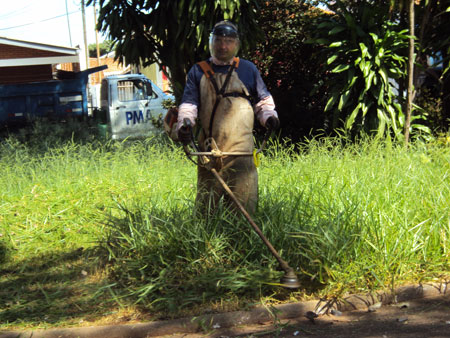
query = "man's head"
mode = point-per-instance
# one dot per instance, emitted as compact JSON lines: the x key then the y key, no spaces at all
{"x":224,"y":41}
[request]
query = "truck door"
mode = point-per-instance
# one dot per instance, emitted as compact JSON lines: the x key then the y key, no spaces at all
{"x":130,"y":113}
{"x":156,"y":99}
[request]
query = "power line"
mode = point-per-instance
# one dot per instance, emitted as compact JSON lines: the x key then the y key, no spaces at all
{"x":36,"y":22}
{"x":14,"y":12}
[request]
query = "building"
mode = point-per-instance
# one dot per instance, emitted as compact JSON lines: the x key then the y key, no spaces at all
{"x":153,"y":72}
{"x":25,"y":61}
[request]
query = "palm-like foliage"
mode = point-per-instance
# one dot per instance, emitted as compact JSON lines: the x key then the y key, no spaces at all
{"x":363,"y":59}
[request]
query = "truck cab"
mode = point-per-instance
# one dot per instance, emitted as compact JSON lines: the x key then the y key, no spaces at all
{"x":133,"y":104}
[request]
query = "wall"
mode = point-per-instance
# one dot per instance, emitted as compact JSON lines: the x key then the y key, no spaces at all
{"x":23,"y":74}
{"x":16,"y":52}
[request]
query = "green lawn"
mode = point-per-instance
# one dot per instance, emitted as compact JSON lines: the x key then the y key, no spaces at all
{"x":104,"y":232}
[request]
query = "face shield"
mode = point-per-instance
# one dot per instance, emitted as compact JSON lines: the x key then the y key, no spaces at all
{"x":224,"y":42}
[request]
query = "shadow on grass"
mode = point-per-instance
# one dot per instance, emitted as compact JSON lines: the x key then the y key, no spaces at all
{"x":4,"y":251}
{"x":161,"y":265}
{"x":53,"y":289}
{"x":178,"y":265}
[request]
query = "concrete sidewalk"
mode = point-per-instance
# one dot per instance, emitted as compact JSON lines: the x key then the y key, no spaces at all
{"x":238,"y":318}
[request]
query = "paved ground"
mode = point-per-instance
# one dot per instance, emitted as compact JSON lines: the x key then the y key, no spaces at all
{"x":420,"y":312}
{"x":423,"y":318}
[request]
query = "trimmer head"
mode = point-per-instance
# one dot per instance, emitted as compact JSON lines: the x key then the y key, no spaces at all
{"x":290,"y":280}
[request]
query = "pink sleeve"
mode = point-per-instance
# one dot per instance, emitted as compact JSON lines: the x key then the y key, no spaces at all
{"x":264,"y":109}
{"x":186,"y":110}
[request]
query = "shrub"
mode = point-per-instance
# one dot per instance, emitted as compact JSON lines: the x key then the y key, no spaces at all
{"x":288,"y":68}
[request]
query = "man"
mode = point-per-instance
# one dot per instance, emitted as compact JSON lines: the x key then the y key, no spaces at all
{"x":220,"y":92}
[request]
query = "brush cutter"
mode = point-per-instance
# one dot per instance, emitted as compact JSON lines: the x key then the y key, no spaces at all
{"x":289,"y":280}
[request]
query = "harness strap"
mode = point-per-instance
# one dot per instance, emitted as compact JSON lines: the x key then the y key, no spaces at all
{"x":209,"y":73}
{"x":206,"y":67}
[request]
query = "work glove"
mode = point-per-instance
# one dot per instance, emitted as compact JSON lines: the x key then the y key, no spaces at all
{"x":185,"y":134}
{"x":272,"y":123}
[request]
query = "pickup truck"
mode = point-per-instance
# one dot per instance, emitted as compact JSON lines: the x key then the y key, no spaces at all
{"x":131,"y":106}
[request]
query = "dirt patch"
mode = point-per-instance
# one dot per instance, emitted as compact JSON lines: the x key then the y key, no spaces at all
{"x":427,"y":317}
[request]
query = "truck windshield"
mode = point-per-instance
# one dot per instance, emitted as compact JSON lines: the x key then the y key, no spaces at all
{"x":131,"y":90}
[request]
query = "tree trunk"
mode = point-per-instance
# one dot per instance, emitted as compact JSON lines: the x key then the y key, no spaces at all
{"x":410,"y":89}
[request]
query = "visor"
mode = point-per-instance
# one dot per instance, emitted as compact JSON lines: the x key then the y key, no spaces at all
{"x":225,"y":30}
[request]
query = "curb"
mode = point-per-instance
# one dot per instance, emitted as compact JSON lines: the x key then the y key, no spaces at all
{"x":257,"y":315}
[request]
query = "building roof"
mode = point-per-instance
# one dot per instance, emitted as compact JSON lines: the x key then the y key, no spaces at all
{"x":50,"y":54}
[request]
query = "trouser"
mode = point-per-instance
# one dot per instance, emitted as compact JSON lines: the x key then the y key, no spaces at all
{"x":239,"y":173}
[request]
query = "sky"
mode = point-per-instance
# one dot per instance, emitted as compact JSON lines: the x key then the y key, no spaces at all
{"x":46,"y":21}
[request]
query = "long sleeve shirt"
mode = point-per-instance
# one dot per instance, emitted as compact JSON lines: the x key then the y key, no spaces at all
{"x":261,"y":99}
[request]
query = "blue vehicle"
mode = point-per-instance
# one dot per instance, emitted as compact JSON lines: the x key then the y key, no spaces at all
{"x":52,"y":100}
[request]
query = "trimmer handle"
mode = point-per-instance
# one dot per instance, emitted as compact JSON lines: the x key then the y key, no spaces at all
{"x":187,"y":127}
{"x":185,"y":135}
{"x":187,"y":123}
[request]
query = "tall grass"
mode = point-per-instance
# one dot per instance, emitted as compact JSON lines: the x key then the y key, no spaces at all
{"x":348,"y":217}
{"x":366,"y":215}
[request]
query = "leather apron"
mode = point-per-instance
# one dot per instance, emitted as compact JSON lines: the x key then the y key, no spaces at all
{"x":232,"y":128}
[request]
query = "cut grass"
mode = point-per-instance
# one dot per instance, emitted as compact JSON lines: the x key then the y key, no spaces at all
{"x":104,"y":232}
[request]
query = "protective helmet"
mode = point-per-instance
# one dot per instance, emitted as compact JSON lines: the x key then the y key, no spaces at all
{"x":224,"y":29}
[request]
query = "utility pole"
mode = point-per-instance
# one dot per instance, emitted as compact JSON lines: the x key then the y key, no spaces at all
{"x":96,"y":42}
{"x":86,"y":51}
{"x":68,"y":25}
{"x":96,"y":35}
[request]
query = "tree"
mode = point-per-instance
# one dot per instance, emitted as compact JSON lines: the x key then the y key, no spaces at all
{"x":427,"y":23}
{"x":288,"y":67}
{"x":362,"y":51}
{"x":172,"y":33}
{"x":104,"y":48}
{"x":431,"y":40}
{"x":410,"y":89}
{"x":433,"y":43}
